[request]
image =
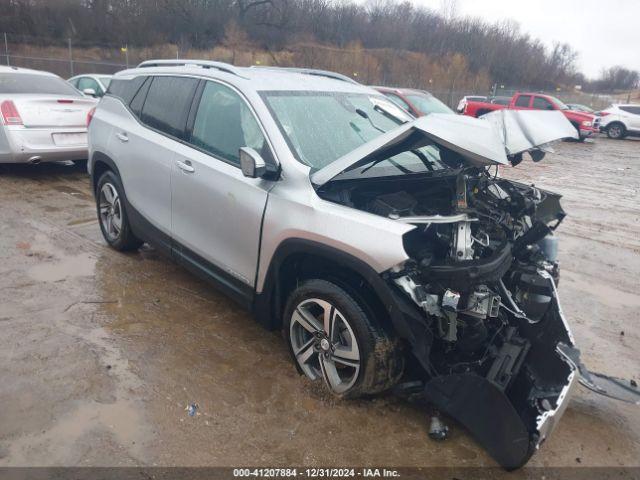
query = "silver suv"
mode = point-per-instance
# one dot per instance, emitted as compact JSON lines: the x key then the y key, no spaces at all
{"x":381,"y":245}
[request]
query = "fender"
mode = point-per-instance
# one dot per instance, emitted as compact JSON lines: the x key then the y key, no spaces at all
{"x":408,"y":321}
{"x":99,"y":157}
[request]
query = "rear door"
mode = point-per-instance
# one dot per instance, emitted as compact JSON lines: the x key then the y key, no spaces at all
{"x":144,"y":144}
{"x":632,"y":116}
{"x":217,"y":211}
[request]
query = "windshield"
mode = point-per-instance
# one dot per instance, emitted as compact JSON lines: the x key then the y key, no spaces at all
{"x":105,"y":81}
{"x":30,"y":83}
{"x":428,"y":103}
{"x":559,"y":103}
{"x":321,"y":127}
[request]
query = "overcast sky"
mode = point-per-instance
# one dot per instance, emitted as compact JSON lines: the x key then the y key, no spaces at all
{"x":604,"y":32}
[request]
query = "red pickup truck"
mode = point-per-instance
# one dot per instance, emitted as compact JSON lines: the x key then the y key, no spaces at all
{"x":585,"y":123}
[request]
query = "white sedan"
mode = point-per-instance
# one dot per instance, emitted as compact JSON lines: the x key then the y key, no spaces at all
{"x":43,"y":118}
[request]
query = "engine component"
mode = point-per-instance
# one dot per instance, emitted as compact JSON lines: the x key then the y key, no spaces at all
{"x":463,"y":243}
{"x":549,"y":246}
{"x":483,"y":303}
{"x":472,"y":334}
{"x":533,"y":293}
{"x":450,"y":300}
{"x":395,"y":204}
{"x":509,"y":359}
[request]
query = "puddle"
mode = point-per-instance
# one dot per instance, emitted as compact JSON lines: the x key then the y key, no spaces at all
{"x":82,"y":265}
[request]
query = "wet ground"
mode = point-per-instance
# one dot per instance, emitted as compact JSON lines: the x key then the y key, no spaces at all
{"x":101,"y":352}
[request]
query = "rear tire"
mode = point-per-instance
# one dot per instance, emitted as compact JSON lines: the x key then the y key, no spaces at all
{"x":616,"y":131}
{"x":112,"y":214}
{"x":332,"y":338}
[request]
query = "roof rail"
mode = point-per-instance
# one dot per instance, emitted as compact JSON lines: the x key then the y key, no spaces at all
{"x":312,"y":71}
{"x":223,"y":67}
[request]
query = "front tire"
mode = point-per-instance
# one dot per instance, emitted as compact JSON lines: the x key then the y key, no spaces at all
{"x":112,"y":214}
{"x":616,"y":131}
{"x":332,"y":338}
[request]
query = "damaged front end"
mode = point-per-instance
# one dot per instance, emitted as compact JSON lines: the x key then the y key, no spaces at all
{"x":495,"y":350}
{"x":485,"y":275}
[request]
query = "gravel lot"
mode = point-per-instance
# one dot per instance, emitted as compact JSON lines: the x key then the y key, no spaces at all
{"x":101,"y":352}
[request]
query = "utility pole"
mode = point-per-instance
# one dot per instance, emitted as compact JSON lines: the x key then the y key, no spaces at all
{"x":70,"y":56}
{"x":6,"y":48}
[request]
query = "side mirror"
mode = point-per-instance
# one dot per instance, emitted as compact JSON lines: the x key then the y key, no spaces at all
{"x":251,"y":163}
{"x":89,"y":91}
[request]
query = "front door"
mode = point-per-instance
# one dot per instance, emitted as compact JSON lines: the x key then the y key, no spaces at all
{"x":216,"y":210}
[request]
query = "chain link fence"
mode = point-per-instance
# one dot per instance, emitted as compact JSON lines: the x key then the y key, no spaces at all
{"x":70,"y":57}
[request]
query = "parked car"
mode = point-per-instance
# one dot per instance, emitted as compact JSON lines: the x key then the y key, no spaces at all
{"x":578,"y":107}
{"x":371,"y":239}
{"x":416,"y":102}
{"x":621,"y":120}
{"x":92,"y":84}
{"x":43,"y":117}
{"x":469,"y":98}
{"x":586,"y":124}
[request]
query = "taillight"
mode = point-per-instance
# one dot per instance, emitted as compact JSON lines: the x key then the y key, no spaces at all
{"x":10,"y":115}
{"x":65,"y":101}
{"x":603,"y":114}
{"x":90,"y":116}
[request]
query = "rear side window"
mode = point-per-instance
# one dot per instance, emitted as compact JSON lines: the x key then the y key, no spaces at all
{"x":138,"y":100}
{"x":634,"y":110}
{"x":30,"y":83}
{"x":167,"y":104}
{"x":224,"y":123}
{"x":125,"y":89}
{"x":523,"y":101}
{"x":540,"y":103}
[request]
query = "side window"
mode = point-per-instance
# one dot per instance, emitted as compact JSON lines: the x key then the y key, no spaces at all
{"x":167,"y":104}
{"x":634,"y":110}
{"x":87,"y":82}
{"x":224,"y":123}
{"x":138,"y":100}
{"x":125,"y":89}
{"x":398,"y":101}
{"x":523,"y":101}
{"x":540,"y":103}
{"x":73,"y":82}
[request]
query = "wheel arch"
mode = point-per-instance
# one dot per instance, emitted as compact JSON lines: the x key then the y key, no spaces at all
{"x":618,"y":122}
{"x":100,"y":163}
{"x":300,"y":259}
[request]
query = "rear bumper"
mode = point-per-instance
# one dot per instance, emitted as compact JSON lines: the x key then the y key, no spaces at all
{"x":25,"y":145}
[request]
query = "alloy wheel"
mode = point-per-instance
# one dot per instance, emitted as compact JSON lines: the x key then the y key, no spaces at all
{"x":110,"y":208}
{"x":324,"y":344}
{"x":615,"y":131}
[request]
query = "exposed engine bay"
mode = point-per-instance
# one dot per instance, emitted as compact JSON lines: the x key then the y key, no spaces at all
{"x":483,"y":269}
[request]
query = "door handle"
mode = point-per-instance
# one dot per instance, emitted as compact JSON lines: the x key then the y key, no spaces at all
{"x":185,"y":166}
{"x":122,"y":137}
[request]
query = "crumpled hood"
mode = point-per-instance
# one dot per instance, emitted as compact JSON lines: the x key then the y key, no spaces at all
{"x":481,"y":142}
{"x":522,"y":130}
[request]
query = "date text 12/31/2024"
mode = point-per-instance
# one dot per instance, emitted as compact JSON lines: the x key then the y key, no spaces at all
{"x":316,"y":472}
